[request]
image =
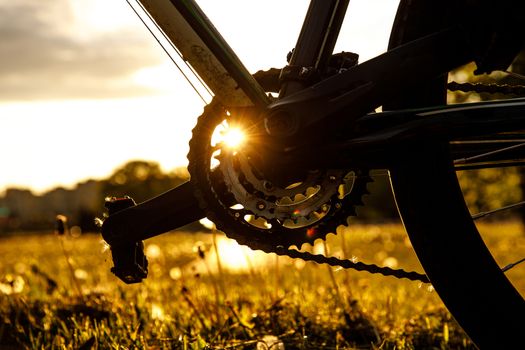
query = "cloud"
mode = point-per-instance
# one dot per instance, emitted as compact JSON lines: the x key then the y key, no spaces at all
{"x":43,"y":57}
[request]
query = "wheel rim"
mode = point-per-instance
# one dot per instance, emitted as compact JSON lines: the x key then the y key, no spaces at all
{"x":453,"y":253}
{"x":444,"y":236}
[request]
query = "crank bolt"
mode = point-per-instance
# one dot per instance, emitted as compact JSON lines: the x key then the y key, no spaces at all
{"x":268,"y":186}
{"x":261,"y":205}
{"x":305,"y":71}
{"x":281,"y":124}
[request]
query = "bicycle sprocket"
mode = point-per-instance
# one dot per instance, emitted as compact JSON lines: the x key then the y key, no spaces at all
{"x":251,"y":210}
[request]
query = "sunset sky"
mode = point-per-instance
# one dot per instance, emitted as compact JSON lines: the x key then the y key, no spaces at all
{"x":84,"y":87}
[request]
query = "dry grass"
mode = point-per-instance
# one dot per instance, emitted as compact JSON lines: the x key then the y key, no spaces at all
{"x":244,"y":300}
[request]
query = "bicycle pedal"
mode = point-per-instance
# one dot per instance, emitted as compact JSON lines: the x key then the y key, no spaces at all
{"x":130,"y":262}
{"x":116,"y":204}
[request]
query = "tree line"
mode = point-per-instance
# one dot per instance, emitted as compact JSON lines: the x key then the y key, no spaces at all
{"x":21,"y":210}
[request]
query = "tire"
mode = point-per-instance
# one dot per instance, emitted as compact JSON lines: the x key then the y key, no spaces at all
{"x":436,"y":218}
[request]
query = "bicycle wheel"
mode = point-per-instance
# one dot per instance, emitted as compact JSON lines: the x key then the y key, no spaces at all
{"x":437,"y":220}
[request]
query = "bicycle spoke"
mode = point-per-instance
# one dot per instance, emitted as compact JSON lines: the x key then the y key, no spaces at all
{"x":482,"y":155}
{"x":491,"y":141}
{"x":510,"y":266}
{"x":490,"y":212}
{"x":489,"y":165}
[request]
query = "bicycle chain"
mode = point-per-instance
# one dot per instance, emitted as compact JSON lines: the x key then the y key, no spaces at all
{"x":270,"y":78}
{"x":354,"y":265}
{"x":505,"y":89}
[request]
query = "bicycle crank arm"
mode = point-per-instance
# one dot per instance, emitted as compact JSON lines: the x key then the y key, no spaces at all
{"x":344,"y":97}
{"x":170,"y":210}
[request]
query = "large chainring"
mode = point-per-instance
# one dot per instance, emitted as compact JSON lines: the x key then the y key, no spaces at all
{"x":253,"y":211}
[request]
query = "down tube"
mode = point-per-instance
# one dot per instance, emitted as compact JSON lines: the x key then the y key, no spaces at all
{"x":202,"y":46}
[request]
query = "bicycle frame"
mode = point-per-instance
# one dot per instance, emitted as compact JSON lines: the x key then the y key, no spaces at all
{"x":340,"y":101}
{"x":325,"y":114}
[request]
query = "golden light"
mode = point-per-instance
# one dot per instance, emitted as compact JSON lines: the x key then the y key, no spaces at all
{"x":157,"y":312}
{"x":232,"y":255}
{"x":233,"y":137}
{"x":207,"y":223}
{"x":237,"y":258}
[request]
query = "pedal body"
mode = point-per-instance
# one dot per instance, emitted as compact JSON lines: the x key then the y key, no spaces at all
{"x":130,"y":262}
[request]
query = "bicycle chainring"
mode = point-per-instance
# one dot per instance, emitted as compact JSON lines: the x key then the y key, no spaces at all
{"x":253,"y":211}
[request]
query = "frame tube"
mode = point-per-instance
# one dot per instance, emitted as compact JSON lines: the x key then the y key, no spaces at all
{"x":192,"y":33}
{"x":317,"y":39}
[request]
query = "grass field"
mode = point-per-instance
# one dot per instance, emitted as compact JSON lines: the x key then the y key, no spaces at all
{"x":56,"y":292}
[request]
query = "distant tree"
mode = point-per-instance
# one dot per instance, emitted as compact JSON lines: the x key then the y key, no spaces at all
{"x":85,"y":219}
{"x":141,"y":180}
{"x":380,"y":205}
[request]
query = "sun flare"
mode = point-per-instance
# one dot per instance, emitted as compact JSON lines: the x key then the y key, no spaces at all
{"x":234,"y":137}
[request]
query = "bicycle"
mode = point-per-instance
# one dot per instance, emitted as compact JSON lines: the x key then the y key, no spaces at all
{"x":267,"y":196}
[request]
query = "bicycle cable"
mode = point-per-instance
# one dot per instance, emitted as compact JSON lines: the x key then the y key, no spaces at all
{"x":482,"y":155}
{"x":190,"y":68}
{"x":159,"y":41}
{"x":514,"y":74}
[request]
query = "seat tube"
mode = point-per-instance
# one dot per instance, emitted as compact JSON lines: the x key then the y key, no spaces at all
{"x":315,"y":44}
